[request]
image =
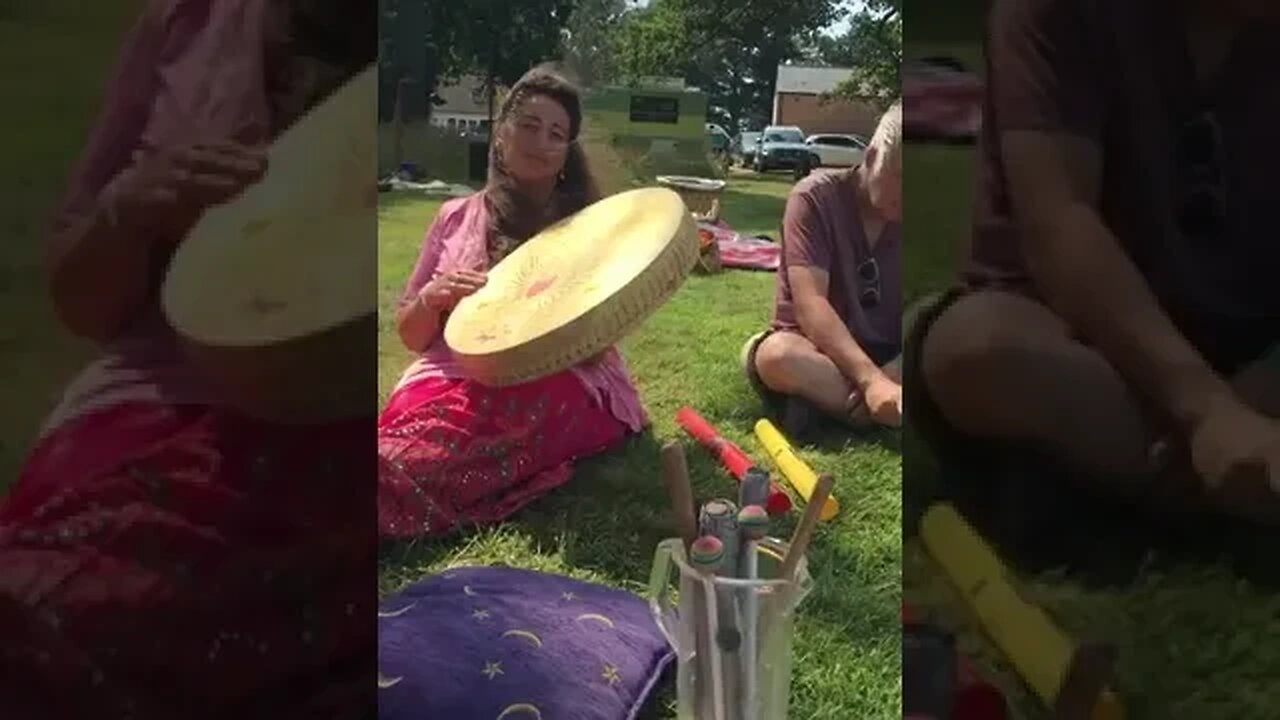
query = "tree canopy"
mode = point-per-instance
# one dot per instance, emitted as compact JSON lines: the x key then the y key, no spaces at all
{"x":431,"y":43}
{"x":730,"y":49}
{"x":872,"y":47}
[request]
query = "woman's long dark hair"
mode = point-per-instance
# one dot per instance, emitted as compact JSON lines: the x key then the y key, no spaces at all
{"x":513,"y":218}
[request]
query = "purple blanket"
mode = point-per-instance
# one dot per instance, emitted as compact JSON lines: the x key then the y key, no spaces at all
{"x":507,"y":644}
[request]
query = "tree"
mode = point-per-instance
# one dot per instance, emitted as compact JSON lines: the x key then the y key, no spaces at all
{"x":590,"y":41}
{"x":502,"y":39}
{"x":731,"y":49}
{"x":418,"y":48}
{"x":432,"y":43}
{"x":653,"y":42}
{"x":872,"y":47}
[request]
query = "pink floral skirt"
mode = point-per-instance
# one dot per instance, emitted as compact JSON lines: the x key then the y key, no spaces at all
{"x":167,"y":561}
{"x":454,"y":453}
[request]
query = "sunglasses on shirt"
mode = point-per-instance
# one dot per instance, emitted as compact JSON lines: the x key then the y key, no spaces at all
{"x":1201,"y":186}
{"x":869,"y":274}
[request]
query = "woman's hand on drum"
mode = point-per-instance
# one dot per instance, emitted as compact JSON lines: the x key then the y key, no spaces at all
{"x":168,"y":189}
{"x":444,"y":292}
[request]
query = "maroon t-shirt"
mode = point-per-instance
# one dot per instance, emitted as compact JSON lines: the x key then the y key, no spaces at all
{"x":1120,"y":74}
{"x":822,"y":228}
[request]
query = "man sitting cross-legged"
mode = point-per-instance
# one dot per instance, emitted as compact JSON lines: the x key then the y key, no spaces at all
{"x":837,"y":328}
{"x":1118,"y":315}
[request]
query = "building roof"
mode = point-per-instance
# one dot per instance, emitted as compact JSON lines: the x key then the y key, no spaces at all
{"x":810,"y":79}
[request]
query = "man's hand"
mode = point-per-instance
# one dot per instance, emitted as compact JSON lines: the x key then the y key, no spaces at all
{"x":879,"y":403}
{"x":1236,"y":452}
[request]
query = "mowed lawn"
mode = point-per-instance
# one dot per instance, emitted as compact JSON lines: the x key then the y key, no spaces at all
{"x":605,"y":524}
{"x":1195,"y":640}
{"x":46,"y":117}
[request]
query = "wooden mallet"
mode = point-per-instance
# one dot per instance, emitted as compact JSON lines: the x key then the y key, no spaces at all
{"x":804,"y":531}
{"x":675,"y":475}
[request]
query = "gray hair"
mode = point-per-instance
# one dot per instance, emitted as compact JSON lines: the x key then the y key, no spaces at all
{"x":888,"y":136}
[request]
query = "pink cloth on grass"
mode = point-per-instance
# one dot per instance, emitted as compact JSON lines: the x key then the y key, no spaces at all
{"x":742,"y":252}
{"x":457,"y":241}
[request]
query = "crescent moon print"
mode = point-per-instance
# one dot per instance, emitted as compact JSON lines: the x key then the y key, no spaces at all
{"x":524,"y":635}
{"x":595,"y":617}
{"x":466,"y":590}
{"x":524,"y":708}
{"x":386,"y":682}
{"x":396,"y":613}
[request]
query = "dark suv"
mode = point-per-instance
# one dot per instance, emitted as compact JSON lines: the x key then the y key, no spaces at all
{"x":783,"y":148}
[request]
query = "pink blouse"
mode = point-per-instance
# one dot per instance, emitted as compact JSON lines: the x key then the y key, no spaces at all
{"x":191,"y":70}
{"x":456,"y":241}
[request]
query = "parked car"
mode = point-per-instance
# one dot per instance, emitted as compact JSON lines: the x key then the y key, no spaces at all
{"x":941,"y":100}
{"x":782,"y":147}
{"x":836,"y":150}
{"x":744,"y":147}
{"x":719,"y":139}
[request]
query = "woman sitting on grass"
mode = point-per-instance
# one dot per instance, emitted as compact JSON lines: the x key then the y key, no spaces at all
{"x":165,"y":555}
{"x":453,"y":452}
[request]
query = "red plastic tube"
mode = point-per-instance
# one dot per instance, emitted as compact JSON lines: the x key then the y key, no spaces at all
{"x":975,"y":698}
{"x":731,"y":456}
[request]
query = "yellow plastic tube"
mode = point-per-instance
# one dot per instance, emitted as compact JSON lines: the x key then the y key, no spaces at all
{"x":795,"y":470}
{"x":1040,"y":651}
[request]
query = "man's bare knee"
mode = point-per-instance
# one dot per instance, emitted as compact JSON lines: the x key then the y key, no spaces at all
{"x":778,"y":361}
{"x":970,"y":344}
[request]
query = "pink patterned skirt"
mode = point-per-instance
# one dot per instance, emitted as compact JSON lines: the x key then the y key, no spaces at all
{"x":167,"y":561}
{"x":454,"y":453}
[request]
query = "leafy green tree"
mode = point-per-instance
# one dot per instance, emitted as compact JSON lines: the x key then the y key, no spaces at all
{"x":432,"y":43}
{"x":872,"y":47}
{"x":590,"y":42}
{"x":730,"y":49}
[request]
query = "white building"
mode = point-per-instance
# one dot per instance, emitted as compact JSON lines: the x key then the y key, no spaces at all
{"x":465,"y":109}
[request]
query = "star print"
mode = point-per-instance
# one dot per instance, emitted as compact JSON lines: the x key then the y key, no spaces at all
{"x":480,"y":614}
{"x":611,"y":675}
{"x":492,"y":669}
{"x":568,"y":597}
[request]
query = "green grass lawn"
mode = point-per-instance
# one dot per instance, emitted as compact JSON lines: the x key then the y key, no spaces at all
{"x":46,"y":116}
{"x":1195,"y":640}
{"x":605,"y":524}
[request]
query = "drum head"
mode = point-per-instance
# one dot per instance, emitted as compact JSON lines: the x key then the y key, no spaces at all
{"x":576,"y":288}
{"x":295,"y":255}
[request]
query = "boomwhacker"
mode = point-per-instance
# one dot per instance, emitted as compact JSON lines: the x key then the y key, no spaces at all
{"x":705,"y":555}
{"x":795,"y":470}
{"x":1070,"y":677}
{"x":731,"y":456}
{"x":753,"y":521}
